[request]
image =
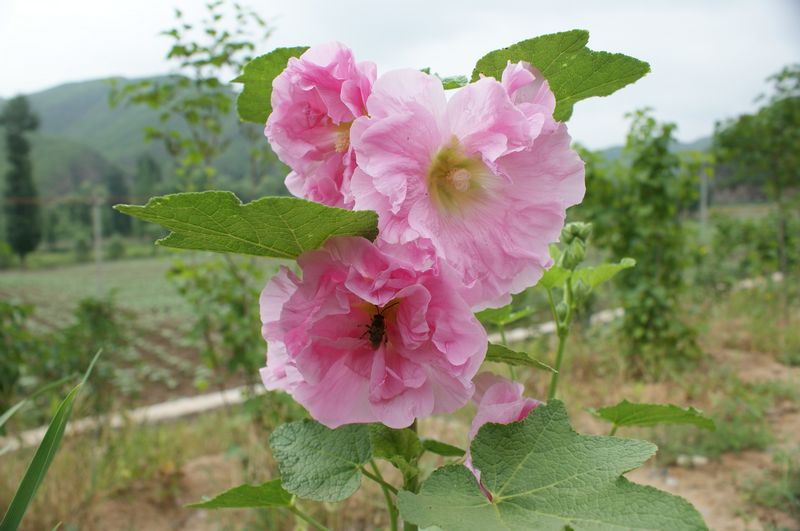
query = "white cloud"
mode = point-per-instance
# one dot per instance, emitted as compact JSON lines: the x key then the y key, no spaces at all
{"x":709,"y":59}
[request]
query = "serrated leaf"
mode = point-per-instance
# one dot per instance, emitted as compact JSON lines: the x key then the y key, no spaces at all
{"x":573,"y":71}
{"x":542,"y":475}
{"x":594,"y":276}
{"x":629,"y":414}
{"x":254,"y":103}
{"x":553,"y":277}
{"x":279,"y":227}
{"x":502,"y":354}
{"x":441,"y":448}
{"x":318,"y":463}
{"x":269,"y":494}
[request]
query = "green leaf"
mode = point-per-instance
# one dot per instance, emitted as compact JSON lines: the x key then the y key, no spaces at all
{"x":501,"y":354}
{"x":553,"y":277}
{"x":502,"y":316}
{"x":594,"y":276}
{"x":16,"y":407}
{"x":254,"y":103}
{"x":43,"y":457}
{"x":441,"y":448}
{"x":542,"y":475}
{"x":454,"y":82}
{"x":629,"y":414}
{"x":279,"y":227}
{"x":399,"y":447}
{"x":318,"y":463}
{"x":269,"y":494}
{"x":573,"y":71}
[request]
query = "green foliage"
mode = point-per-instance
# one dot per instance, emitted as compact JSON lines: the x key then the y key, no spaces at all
{"x":118,"y":192}
{"x":501,"y":354}
{"x":540,"y":474}
{"x":254,"y":104}
{"x":269,"y":494}
{"x":82,"y":249}
{"x":637,"y":208}
{"x":42,"y":458}
{"x":195,"y":105}
{"x":629,"y":414}
{"x":779,"y":488}
{"x":16,"y":344}
{"x":573,"y":71}
{"x":116,"y":248}
{"x":318,"y":463}
{"x":401,"y":447}
{"x":23,"y":220}
{"x":440,"y":448}
{"x":223,"y":294}
{"x":504,"y":316}
{"x":279,"y":227}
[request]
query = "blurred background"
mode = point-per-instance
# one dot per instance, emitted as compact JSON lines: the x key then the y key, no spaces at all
{"x":694,"y":171}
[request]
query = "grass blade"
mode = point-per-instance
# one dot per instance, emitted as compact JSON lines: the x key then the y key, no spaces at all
{"x":42,"y":458}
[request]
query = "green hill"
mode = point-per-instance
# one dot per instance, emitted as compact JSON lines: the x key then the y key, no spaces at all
{"x":80,"y":138}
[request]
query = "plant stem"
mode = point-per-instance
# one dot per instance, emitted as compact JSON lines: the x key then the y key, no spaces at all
{"x":411,"y":484}
{"x":613,"y":430}
{"x":562,"y":330}
{"x":390,"y":506}
{"x":308,"y":518}
{"x":379,"y":480}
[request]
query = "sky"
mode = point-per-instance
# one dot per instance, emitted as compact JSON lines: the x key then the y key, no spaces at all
{"x":709,"y":58}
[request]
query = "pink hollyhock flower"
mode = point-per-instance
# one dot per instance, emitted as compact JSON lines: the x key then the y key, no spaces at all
{"x":370,"y":334}
{"x":314,"y":101}
{"x":499,"y":401}
{"x":486,"y":176}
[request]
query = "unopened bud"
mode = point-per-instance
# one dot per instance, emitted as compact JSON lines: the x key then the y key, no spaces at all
{"x":573,"y":254}
{"x":561,"y":311}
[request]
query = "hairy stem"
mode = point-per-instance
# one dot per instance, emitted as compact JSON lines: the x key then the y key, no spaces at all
{"x":562,"y":330}
{"x":390,"y":506}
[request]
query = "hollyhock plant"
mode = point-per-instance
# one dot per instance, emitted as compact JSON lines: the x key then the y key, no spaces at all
{"x":370,"y":334}
{"x":499,"y":401}
{"x":314,"y":101}
{"x":485,"y":176}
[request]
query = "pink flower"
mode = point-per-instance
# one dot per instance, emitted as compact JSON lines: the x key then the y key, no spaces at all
{"x":370,"y":334}
{"x":499,"y":401}
{"x":314,"y":101}
{"x":486,"y":176}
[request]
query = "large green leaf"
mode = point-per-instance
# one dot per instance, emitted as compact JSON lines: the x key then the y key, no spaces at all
{"x":594,"y":276}
{"x":574,"y":71}
{"x":254,"y":103}
{"x":269,"y":494}
{"x":502,"y":354}
{"x":542,"y":475}
{"x":629,"y":414}
{"x":319,"y":463}
{"x":553,"y":277}
{"x":279,"y":227}
{"x":503,"y":316}
{"x":43,"y":457}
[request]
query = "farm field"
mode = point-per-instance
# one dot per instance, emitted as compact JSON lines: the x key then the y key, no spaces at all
{"x":739,"y":477}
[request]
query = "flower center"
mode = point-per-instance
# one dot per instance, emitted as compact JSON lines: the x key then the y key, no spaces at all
{"x":341,"y":142}
{"x":455,"y":179}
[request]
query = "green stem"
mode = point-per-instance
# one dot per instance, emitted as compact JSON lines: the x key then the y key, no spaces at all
{"x":390,"y":506}
{"x":613,"y":430}
{"x":379,"y":480}
{"x":562,"y":330}
{"x":308,"y":518}
{"x":411,"y":484}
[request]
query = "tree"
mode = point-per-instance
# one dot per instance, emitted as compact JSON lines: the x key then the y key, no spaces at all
{"x":118,"y":192}
{"x":765,"y":147}
{"x":636,"y":207}
{"x":23,"y":222}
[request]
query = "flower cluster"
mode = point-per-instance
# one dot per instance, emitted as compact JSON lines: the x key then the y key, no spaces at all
{"x":470,"y":189}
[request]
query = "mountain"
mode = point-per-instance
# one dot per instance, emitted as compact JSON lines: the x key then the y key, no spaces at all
{"x":701,"y":144}
{"x":80,"y":137}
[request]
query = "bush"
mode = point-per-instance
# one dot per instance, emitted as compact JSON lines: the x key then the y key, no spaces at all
{"x":6,"y":256}
{"x":16,"y":345}
{"x":116,"y":248}
{"x":82,"y":248}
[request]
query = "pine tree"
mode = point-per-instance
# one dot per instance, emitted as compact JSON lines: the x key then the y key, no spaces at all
{"x":23,"y":222}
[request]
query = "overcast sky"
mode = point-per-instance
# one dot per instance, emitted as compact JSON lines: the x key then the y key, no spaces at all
{"x":709,"y":58}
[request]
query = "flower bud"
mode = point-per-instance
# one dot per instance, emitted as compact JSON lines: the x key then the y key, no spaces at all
{"x":573,"y":254}
{"x":561,"y":311}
